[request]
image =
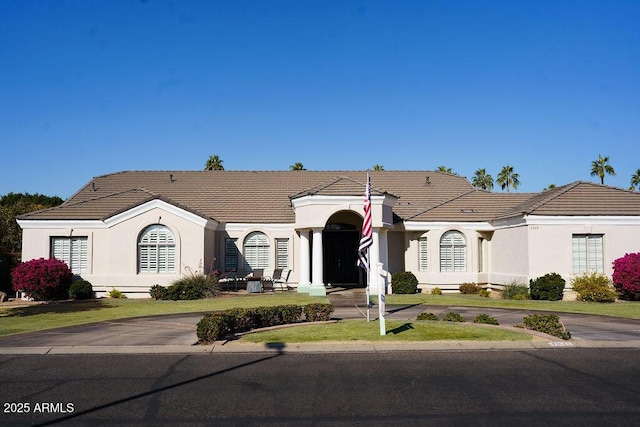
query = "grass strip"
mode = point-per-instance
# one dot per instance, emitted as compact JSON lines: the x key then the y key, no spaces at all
{"x":625,"y":309}
{"x":397,"y":331}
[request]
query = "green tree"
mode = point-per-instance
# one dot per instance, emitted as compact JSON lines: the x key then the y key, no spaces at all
{"x":444,"y":169}
{"x":297,"y":166}
{"x":601,"y":167}
{"x":507,"y":178}
{"x":214,"y":163}
{"x":378,"y":167}
{"x":635,"y":181}
{"x":481,"y":179}
{"x":11,"y":206}
{"x":551,"y":186}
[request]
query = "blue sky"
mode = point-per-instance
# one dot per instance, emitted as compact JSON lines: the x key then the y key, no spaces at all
{"x":95,"y":87}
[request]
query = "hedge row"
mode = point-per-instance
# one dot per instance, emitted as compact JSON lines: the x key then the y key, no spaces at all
{"x":218,"y":325}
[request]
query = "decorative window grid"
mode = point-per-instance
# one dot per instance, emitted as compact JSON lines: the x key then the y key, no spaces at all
{"x":453,"y":252}
{"x":156,"y":250}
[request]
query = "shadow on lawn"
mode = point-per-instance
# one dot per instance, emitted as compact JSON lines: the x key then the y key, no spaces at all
{"x":55,"y":307}
{"x":400,"y":329}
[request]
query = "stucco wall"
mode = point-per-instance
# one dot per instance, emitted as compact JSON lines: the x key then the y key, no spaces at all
{"x":112,"y":252}
{"x":509,"y":256}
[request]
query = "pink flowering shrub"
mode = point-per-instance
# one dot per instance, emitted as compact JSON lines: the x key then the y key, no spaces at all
{"x":42,"y":279}
{"x":626,"y":276}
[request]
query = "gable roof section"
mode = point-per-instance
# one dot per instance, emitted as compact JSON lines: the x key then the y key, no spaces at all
{"x":579,"y":199}
{"x":473,"y":206}
{"x":339,"y":186}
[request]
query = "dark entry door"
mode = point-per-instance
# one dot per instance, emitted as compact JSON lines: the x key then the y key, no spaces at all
{"x":340,"y":254}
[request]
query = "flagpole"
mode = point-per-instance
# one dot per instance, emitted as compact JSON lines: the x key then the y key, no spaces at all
{"x":368,"y":285}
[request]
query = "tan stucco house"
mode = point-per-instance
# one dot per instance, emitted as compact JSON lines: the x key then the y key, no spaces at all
{"x":131,"y":230}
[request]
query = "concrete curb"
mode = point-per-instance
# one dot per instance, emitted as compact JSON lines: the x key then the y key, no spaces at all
{"x":328,"y":347}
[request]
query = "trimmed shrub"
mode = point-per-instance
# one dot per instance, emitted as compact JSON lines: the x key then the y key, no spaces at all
{"x":452,"y":317}
{"x":436,"y":291}
{"x":192,"y":287}
{"x":114,"y":293}
{"x":547,"y":288}
{"x":484,"y":293}
{"x":469,"y":288}
{"x":427,"y":316}
{"x":404,"y":282}
{"x":158,"y":292}
{"x":214,"y":326}
{"x":318,"y":312}
{"x":485,"y":318}
{"x":548,"y":324}
{"x":43,"y":279}
{"x":515,"y":290}
{"x":218,"y":325}
{"x":81,"y":289}
{"x":594,"y":287}
{"x":626,"y":276}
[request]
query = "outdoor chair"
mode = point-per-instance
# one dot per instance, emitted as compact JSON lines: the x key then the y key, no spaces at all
{"x":282,"y":281}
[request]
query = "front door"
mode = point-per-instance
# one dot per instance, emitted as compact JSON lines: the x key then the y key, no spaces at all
{"x":340,"y":255}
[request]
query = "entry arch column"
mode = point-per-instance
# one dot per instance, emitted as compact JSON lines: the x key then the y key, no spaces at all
{"x":317,"y":266}
{"x":304,"y":282}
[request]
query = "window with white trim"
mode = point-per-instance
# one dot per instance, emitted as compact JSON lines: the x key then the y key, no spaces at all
{"x":156,"y":250}
{"x":282,"y":253}
{"x":453,"y":252}
{"x":423,"y":253}
{"x":256,"y":251}
{"x":71,"y":250}
{"x":230,"y":255}
{"x":587,"y":253}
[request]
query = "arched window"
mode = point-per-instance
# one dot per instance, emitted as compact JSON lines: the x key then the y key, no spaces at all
{"x":453,"y":252}
{"x":256,"y":251}
{"x":156,"y":250}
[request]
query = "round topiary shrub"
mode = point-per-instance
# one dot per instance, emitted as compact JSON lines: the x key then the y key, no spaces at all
{"x":427,"y":316}
{"x":404,"y":282}
{"x":486,"y":319}
{"x":452,"y":317}
{"x":626,"y":276}
{"x":42,"y":279}
{"x":594,"y":287}
{"x":158,"y":292}
{"x":547,"y":288}
{"x":469,"y":288}
{"x":81,"y":289}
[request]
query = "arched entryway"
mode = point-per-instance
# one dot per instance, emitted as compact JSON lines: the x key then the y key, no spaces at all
{"x":340,"y":240}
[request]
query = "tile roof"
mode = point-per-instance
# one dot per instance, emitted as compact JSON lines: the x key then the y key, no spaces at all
{"x":265,"y":196}
{"x":579,"y":199}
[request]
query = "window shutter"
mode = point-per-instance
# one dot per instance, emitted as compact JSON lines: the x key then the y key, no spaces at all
{"x":282,"y":253}
{"x":594,"y":250}
{"x":230,"y":255}
{"x":156,"y":250}
{"x":256,"y":251}
{"x":424,"y":253}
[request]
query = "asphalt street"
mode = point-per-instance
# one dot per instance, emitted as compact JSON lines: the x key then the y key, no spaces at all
{"x":552,"y":387}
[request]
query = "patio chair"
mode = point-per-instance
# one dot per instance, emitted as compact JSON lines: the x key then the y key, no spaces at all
{"x":282,"y":281}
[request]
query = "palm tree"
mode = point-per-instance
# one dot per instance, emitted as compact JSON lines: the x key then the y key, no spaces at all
{"x":635,"y":181}
{"x":444,"y":169}
{"x":508,"y":178}
{"x":601,"y":167}
{"x":551,"y":186}
{"x":481,"y":179}
{"x":378,"y":167}
{"x":297,"y":166}
{"x":214,"y":164}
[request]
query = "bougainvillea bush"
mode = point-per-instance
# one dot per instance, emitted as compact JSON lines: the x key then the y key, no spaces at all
{"x":43,"y":279}
{"x":626,"y":276}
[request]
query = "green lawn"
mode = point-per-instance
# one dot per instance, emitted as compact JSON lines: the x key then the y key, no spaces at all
{"x":626,"y":309}
{"x":397,"y":331}
{"x":59,"y":314}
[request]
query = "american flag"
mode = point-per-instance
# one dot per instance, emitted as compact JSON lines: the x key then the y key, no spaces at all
{"x":367,"y":235}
